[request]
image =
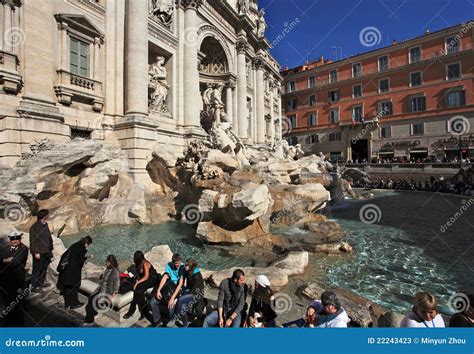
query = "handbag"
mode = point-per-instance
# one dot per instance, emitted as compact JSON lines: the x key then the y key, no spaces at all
{"x":63,"y":262}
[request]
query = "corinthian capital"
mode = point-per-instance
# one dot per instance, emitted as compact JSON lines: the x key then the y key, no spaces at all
{"x":259,"y":63}
{"x":191,"y":4}
{"x":242,"y":45}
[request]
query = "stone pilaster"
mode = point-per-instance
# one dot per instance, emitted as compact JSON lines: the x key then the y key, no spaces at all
{"x":272,"y":87}
{"x":136,"y":132}
{"x":136,"y":58}
{"x":230,"y":85}
{"x":242,"y":110}
{"x":260,"y":102}
{"x":190,"y":71}
{"x":114,"y":52}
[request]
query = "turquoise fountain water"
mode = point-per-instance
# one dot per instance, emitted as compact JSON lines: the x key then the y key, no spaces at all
{"x":403,"y":253}
{"x":123,"y":241}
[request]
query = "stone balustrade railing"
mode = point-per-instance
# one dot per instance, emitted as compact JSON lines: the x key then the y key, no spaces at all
{"x":70,"y":85}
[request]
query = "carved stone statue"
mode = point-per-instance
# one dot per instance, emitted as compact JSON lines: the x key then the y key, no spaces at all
{"x":162,"y":10}
{"x":261,"y":24}
{"x":158,"y":86}
{"x":243,"y":6}
{"x":299,"y":152}
{"x":220,"y":129}
{"x":212,"y":98}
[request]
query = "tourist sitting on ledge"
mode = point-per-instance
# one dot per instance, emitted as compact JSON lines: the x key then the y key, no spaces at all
{"x":148,"y":277}
{"x":424,"y":313}
{"x":191,"y":302}
{"x":70,"y":269}
{"x":230,"y":302}
{"x":261,"y":312}
{"x":103,"y":296}
{"x":466,"y":317}
{"x":167,"y":293}
{"x":327,"y":313}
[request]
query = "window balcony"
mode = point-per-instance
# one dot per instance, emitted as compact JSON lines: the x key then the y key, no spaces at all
{"x":72,"y":87}
{"x":10,"y":80}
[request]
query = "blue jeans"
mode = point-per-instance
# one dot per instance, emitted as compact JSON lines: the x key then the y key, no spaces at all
{"x":155,"y":308}
{"x":183,"y":308}
{"x":212,"y":320}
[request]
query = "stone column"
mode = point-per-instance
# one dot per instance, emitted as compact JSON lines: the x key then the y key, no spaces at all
{"x":1,"y":24}
{"x":260,"y":103}
{"x":242,"y":111}
{"x":136,"y":58}
{"x":96,"y":72}
{"x":272,"y":111}
{"x":113,"y":78}
{"x":64,"y":53}
{"x":190,"y":70}
{"x":16,"y":28}
{"x":280,"y":113}
{"x":7,"y":28}
{"x":229,"y":104}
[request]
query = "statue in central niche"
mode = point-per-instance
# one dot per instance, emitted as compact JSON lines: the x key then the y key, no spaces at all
{"x":218,"y":127}
{"x":158,"y":86}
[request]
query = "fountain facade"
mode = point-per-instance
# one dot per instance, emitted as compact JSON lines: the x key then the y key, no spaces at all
{"x":134,"y":71}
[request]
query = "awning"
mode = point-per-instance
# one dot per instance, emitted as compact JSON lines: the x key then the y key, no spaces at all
{"x":419,"y":151}
{"x":386,"y":152}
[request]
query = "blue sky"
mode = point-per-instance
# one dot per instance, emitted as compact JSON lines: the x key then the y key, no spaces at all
{"x":332,"y":28}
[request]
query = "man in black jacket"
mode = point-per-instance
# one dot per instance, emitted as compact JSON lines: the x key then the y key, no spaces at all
{"x":230,"y":302}
{"x":12,"y":280}
{"x":69,"y":269}
{"x":41,"y":247}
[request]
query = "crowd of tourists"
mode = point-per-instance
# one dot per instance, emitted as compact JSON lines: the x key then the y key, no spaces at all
{"x":413,"y":160}
{"x":175,"y":297}
{"x":463,"y":186}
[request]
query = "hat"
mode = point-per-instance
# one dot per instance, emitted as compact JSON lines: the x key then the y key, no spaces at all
{"x":262,"y":280}
{"x":15,"y":235}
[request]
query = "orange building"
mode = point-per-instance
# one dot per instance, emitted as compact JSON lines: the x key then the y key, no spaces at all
{"x":412,"y":99}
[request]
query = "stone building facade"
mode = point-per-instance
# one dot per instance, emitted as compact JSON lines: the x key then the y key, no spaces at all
{"x":135,"y":71}
{"x":410,"y":100}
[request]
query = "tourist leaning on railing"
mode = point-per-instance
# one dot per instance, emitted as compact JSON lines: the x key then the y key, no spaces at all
{"x":102,"y":297}
{"x":424,"y":313}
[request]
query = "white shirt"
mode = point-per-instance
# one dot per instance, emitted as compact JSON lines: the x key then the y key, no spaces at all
{"x":411,"y":320}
